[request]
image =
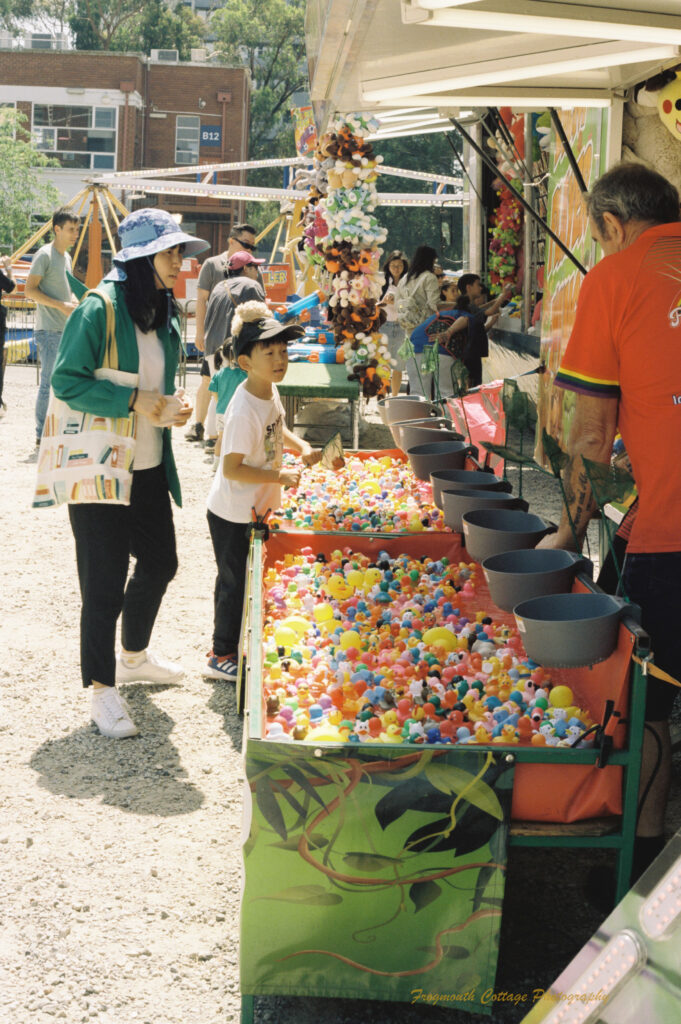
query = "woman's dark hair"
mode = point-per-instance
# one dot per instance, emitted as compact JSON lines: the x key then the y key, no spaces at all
{"x":463,"y":303}
{"x":467,"y":279}
{"x":149,"y":307}
{"x":448,"y":284}
{"x":423,"y":259}
{"x":225,"y":354}
{"x":396,"y":254}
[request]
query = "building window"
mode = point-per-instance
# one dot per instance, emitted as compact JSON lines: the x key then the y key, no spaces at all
{"x":187,"y":132}
{"x":78,"y":137}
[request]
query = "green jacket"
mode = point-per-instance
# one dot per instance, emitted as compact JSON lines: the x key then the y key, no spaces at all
{"x":81,"y":352}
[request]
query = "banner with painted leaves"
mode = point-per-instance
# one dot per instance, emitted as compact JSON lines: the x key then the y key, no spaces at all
{"x":373,"y":873}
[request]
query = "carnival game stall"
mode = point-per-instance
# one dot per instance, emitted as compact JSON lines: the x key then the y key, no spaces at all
{"x":398,"y":740}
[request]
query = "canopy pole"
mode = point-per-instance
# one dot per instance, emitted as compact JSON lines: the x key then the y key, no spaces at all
{"x":574,"y":166}
{"x":521,"y":199}
{"x":462,"y":165}
{"x":100,"y":204}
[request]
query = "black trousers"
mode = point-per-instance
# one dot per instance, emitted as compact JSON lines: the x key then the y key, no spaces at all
{"x":230,"y":544}
{"x":3,"y":355}
{"x":106,"y":536}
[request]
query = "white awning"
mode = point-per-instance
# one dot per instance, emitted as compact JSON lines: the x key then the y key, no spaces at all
{"x":417,"y":62}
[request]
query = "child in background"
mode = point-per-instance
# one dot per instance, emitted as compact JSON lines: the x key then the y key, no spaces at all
{"x":249,"y":476}
{"x":224,"y":383}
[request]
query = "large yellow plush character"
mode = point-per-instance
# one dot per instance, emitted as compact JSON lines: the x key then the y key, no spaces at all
{"x":669,"y":106}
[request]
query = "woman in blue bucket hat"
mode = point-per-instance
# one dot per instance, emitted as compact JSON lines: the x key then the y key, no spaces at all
{"x":139,"y":288}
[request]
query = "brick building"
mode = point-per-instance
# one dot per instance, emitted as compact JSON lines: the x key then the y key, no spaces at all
{"x":97,"y":112}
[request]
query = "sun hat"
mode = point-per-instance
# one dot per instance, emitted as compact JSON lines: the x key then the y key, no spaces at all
{"x":242,"y":259}
{"x":146,"y":232}
{"x":252,"y":323}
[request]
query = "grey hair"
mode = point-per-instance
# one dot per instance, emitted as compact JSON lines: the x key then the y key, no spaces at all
{"x":632,"y":191}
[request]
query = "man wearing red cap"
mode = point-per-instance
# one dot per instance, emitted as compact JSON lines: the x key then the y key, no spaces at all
{"x":241,"y":284}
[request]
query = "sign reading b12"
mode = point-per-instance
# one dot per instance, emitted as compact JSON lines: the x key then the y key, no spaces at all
{"x":211,"y":135}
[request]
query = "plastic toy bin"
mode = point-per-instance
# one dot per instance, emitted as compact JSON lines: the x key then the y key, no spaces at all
{"x":566,"y":786}
{"x":333,"y":903}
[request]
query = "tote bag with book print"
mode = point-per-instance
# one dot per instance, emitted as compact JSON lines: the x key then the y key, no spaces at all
{"x":84,"y":457}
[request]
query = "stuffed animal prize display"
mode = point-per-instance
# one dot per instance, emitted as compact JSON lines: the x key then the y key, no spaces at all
{"x":343,"y":237}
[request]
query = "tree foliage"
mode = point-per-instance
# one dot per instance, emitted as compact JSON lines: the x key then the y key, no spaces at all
{"x":159,"y":27}
{"x":23,"y":197}
{"x":266,"y":36}
{"x":95,"y":23}
{"x":12,"y":12}
{"x":409,"y":227}
{"x":136,"y":26}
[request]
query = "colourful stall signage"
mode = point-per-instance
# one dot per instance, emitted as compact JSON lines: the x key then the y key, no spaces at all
{"x":586,"y":130}
{"x":374,"y":876}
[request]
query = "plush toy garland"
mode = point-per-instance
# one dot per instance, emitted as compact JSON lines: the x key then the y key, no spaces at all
{"x":351,"y":253}
{"x":507,"y":219}
{"x":506,"y":237}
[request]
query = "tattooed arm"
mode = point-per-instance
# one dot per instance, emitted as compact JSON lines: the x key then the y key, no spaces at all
{"x":593,"y":431}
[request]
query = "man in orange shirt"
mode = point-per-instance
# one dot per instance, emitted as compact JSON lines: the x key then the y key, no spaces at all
{"x":623,"y":361}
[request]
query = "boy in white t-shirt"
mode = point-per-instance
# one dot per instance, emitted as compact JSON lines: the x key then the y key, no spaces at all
{"x":249,"y":475}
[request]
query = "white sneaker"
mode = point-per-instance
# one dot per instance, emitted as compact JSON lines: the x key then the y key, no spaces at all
{"x":110,"y":714}
{"x":152,"y":670}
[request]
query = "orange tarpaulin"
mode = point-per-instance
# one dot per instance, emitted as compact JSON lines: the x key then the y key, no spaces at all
{"x":541,"y":792}
{"x":484,"y":418}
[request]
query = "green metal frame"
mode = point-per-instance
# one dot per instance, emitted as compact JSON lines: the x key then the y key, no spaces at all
{"x":628,"y":758}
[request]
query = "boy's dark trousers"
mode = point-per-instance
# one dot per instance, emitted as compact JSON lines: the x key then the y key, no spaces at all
{"x":230,"y":543}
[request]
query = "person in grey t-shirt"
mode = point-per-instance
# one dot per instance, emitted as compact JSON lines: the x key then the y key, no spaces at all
{"x":240,"y":285}
{"x":213,"y":270}
{"x":48,"y":286}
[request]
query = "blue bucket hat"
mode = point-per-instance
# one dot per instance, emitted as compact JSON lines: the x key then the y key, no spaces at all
{"x":146,"y":232}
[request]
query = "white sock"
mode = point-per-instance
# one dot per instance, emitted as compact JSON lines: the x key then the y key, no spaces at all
{"x":131,"y":659}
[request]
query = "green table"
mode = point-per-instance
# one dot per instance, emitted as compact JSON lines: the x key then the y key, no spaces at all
{"x":319,"y":380}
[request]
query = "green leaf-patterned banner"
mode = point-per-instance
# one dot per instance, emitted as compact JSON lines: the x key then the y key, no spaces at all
{"x":373,"y":873}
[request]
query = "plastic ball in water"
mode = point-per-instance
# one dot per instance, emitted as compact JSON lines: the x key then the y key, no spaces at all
{"x":561,"y":697}
{"x":323,"y":612}
{"x":285,"y":637}
{"x":350,"y":639}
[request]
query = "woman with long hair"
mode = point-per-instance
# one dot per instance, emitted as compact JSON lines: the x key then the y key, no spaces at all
{"x":417,"y":297}
{"x":139,"y":288}
{"x":395,"y":268}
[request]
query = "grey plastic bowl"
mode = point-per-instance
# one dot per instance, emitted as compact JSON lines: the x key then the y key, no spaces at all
{"x":457,"y":502}
{"x":567,"y":630}
{"x":445,"y":478}
{"x":405,"y":407}
{"x":492,"y":531}
{"x":516,"y":576}
{"x":408,"y":433}
{"x":430,"y":422}
{"x":424,"y":458}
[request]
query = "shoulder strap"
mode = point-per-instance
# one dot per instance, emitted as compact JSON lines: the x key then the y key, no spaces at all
{"x":111,"y":349}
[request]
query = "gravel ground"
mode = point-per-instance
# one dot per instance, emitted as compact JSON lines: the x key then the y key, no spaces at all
{"x":120,"y":861}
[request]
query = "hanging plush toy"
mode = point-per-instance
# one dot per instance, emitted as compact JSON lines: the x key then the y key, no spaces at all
{"x":506,"y":220}
{"x":669,"y":105}
{"x":351,"y":252}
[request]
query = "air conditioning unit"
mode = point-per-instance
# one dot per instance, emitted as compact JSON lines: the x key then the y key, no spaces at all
{"x":169,"y":56}
{"x":199,"y":55}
